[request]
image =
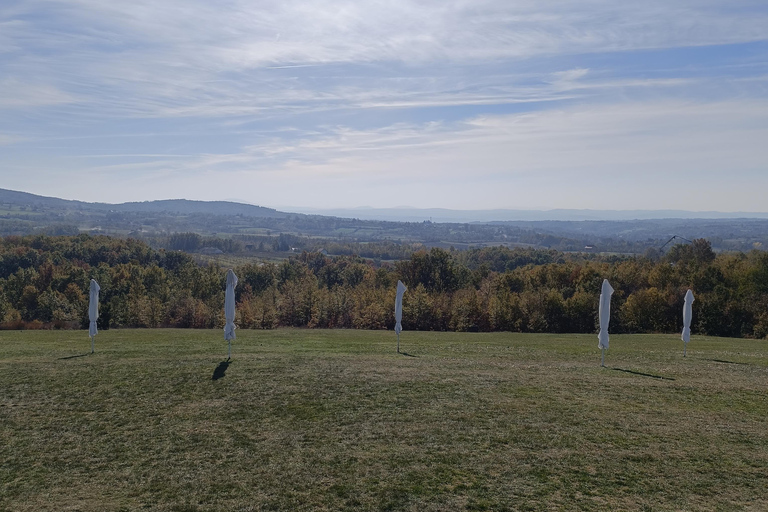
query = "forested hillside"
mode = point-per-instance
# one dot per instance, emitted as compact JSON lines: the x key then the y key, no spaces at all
{"x":44,"y":283}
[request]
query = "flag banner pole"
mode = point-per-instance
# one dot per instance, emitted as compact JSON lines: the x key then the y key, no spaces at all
{"x":687,"y":317}
{"x":401,"y":289}
{"x":229,"y":311}
{"x":604,"y":314}
{"x":93,"y":311}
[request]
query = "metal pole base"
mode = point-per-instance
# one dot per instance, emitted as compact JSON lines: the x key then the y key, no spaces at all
{"x":602,"y":358}
{"x":398,"y":343}
{"x":92,"y":343}
{"x":229,"y":350}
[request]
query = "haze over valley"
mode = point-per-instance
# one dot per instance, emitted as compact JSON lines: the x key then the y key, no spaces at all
{"x":248,"y":229}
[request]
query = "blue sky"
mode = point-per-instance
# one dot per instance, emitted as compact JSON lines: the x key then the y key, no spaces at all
{"x":452,"y":104}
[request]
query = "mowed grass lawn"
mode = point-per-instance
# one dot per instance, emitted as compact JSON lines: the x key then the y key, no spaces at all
{"x":337,"y":420}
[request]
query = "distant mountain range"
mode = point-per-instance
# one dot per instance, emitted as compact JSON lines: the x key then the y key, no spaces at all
{"x":568,"y":230}
{"x":408,"y":214}
{"x":400,"y":214}
{"x":179,"y":206}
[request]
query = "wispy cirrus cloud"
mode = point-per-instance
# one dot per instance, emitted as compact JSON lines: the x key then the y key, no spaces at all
{"x":245,"y":34}
{"x":178,"y":58}
{"x":338,"y":94}
{"x":7,"y":140}
{"x":654,"y":155}
{"x":697,"y":138}
{"x":17,"y":93}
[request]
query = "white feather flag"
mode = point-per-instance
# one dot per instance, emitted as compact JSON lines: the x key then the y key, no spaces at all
{"x":229,"y":306}
{"x":401,"y":288}
{"x":687,"y":316}
{"x":604,"y":314}
{"x":93,"y":308}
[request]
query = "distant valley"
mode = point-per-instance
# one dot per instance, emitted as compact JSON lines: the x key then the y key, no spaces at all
{"x":409,"y":214}
{"x":238,"y":228}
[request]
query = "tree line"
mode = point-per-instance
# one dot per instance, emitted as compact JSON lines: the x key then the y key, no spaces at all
{"x":44,"y":283}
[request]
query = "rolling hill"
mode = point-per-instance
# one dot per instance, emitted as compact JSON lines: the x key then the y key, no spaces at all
{"x":256,"y":226}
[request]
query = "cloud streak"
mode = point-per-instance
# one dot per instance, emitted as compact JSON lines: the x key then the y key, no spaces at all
{"x":243,"y":34}
{"x":188,"y":58}
{"x":511,"y":101}
{"x":667,"y":150}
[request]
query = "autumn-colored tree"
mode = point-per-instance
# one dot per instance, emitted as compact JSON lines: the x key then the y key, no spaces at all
{"x":44,"y":280}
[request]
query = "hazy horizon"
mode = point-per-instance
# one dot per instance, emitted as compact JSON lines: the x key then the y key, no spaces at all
{"x":464,"y":106}
{"x":404,"y":213}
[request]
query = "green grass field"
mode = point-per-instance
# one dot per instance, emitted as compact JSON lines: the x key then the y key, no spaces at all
{"x":336,"y":420}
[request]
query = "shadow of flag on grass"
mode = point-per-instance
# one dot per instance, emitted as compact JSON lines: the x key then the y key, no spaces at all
{"x":633,"y":372}
{"x":220,"y":370}
{"x":73,"y":357}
